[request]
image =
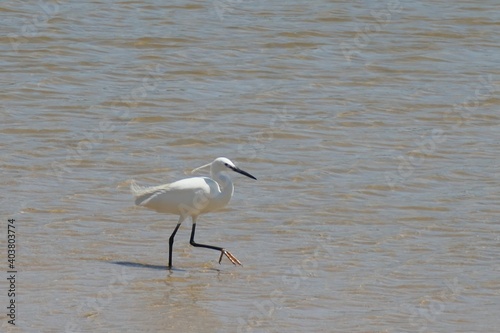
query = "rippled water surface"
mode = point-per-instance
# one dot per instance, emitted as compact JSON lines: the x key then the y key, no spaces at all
{"x":372,"y":127}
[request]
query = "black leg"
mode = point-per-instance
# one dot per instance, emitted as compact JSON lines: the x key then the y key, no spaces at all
{"x":192,"y":242}
{"x":217,"y":248}
{"x":171,"y":245}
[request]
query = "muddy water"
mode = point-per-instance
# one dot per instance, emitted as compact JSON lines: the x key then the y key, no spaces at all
{"x":373,"y":129}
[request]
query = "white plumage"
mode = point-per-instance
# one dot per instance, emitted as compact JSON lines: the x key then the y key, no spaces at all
{"x":192,"y":197}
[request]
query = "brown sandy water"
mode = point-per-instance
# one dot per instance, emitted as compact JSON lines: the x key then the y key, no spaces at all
{"x":373,"y":128}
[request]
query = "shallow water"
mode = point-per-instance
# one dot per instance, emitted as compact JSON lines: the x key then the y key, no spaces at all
{"x":372,"y":127}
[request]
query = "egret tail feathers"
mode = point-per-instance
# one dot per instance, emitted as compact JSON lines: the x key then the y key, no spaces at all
{"x":143,"y":194}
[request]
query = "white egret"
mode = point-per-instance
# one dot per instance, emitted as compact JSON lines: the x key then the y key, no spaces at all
{"x":192,"y":197}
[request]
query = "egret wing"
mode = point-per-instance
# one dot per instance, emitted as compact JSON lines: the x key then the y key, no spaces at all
{"x":185,"y":197}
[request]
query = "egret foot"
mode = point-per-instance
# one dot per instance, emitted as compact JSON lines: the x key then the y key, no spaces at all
{"x":229,"y":256}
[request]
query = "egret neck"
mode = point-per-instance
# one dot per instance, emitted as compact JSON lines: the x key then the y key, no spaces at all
{"x":226,"y":190}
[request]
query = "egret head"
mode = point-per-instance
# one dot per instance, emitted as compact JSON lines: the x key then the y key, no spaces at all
{"x":222,"y":164}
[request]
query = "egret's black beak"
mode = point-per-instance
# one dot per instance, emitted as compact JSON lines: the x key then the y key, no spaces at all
{"x":238,"y":170}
